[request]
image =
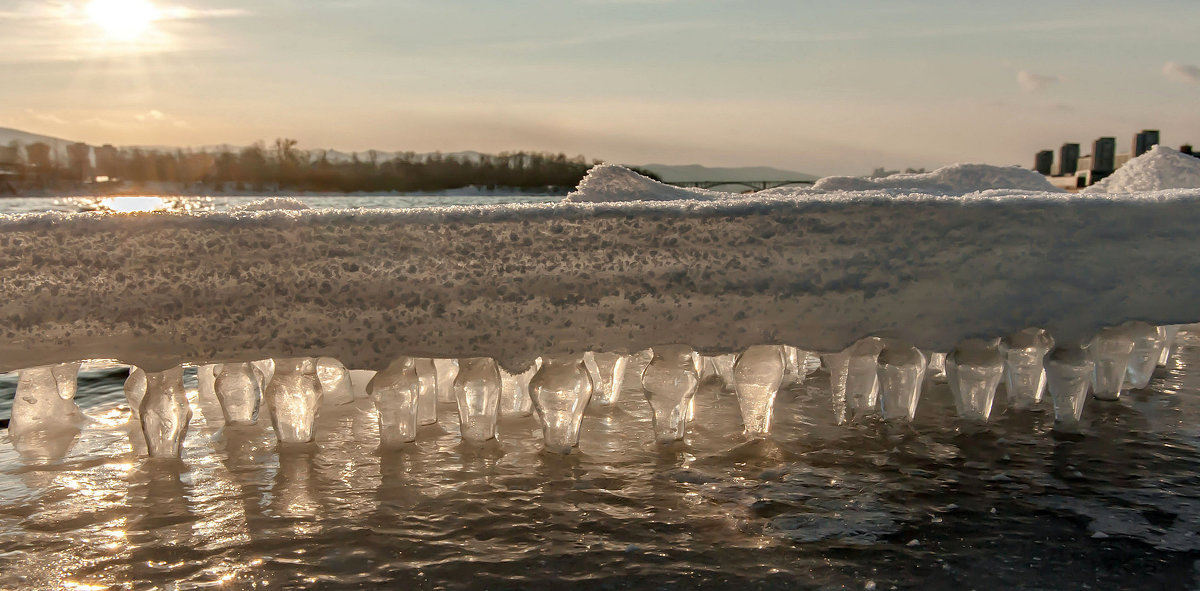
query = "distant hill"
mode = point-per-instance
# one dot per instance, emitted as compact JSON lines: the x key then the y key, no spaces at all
{"x":694,"y":173}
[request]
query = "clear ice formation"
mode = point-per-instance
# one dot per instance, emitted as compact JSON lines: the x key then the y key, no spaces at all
{"x":974,"y":370}
{"x":206,"y":377}
{"x":1024,"y":366}
{"x":294,"y":397}
{"x":447,"y":372}
{"x":238,"y":390}
{"x":427,"y":399}
{"x":1110,"y":350}
{"x":396,"y":392}
{"x":723,"y":366}
{"x":669,"y":382}
{"x":757,"y":377}
{"x":901,"y":374}
{"x":335,"y":382}
{"x":1069,"y":373}
{"x":854,"y":379}
{"x":135,"y":391}
{"x":1169,"y":335}
{"x":936,"y":371}
{"x":45,"y":400}
{"x":793,"y":372}
{"x":477,"y":390}
{"x":514,"y":392}
{"x":264,"y":370}
{"x":610,"y":372}
{"x":560,"y":392}
{"x":359,"y":378}
{"x":165,"y":413}
{"x":1148,"y":347}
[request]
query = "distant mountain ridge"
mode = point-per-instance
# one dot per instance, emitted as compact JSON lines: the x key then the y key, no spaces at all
{"x":692,"y":173}
{"x":9,"y":135}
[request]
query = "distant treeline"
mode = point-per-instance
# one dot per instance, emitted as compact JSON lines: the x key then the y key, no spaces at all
{"x":281,"y":166}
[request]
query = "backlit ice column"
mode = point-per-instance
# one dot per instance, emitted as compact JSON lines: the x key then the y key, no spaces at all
{"x":1169,"y":335}
{"x":974,"y":370}
{"x":165,"y":413}
{"x":447,"y":371}
{"x":560,"y":392}
{"x":397,"y":392}
{"x":1109,"y":351}
{"x":477,"y":390}
{"x":45,"y":400}
{"x":237,"y":389}
{"x":901,"y":374}
{"x":1068,"y":376}
{"x":723,"y":366}
{"x":1024,"y":367}
{"x":294,"y":396}
{"x":757,"y":377}
{"x":335,"y":382}
{"x":206,"y":377}
{"x":670,"y":382}
{"x":264,"y":370}
{"x":853,"y":379}
{"x":514,"y":392}
{"x":1147,"y":349}
{"x":428,"y":397}
{"x":611,"y":369}
{"x":937,"y":366}
{"x":135,"y":391}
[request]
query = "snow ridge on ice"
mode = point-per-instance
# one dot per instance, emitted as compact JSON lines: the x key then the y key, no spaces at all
{"x":612,"y":182}
{"x":955,"y":179}
{"x":1160,"y":168}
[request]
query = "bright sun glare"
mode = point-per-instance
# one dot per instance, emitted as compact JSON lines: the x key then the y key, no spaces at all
{"x":122,"y":20}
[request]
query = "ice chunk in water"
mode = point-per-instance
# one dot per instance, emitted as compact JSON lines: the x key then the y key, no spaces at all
{"x":206,"y":377}
{"x":294,"y":396}
{"x":611,"y":370}
{"x":447,"y":371}
{"x":723,"y":366}
{"x":514,"y":394}
{"x":477,"y":390}
{"x":264,"y":370}
{"x":1169,"y":335}
{"x":1024,"y":368}
{"x":1110,"y":351}
{"x":1068,"y":376}
{"x":560,"y":391}
{"x":937,"y":366}
{"x":165,"y":413}
{"x":427,"y":397}
{"x":1147,"y":349}
{"x":670,"y":382}
{"x":853,"y":379}
{"x":135,"y":391}
{"x":974,"y":370}
{"x":335,"y":382}
{"x":236,"y":388}
{"x":396,"y":392}
{"x":757,"y":377}
{"x":45,"y":400}
{"x":901,"y":374}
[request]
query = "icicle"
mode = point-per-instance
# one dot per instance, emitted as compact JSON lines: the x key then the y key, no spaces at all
{"x":669,"y":382}
{"x":757,"y":377}
{"x":723,"y":365}
{"x":1110,"y":351}
{"x":937,"y":366}
{"x":264,"y":370}
{"x":1068,"y":375}
{"x":514,"y":392}
{"x":335,"y":382}
{"x":1143,"y":358}
{"x":206,"y":376}
{"x":611,"y":368}
{"x":165,"y":413}
{"x":396,"y":392}
{"x":853,"y":379}
{"x":294,"y":396}
{"x":45,"y":400}
{"x":901,"y":373}
{"x":560,"y":392}
{"x":793,"y":372}
{"x":236,"y":388}
{"x":812,"y":362}
{"x":135,"y":391}
{"x":1024,"y":367}
{"x":447,"y":371}
{"x":974,"y":370}
{"x":1169,"y":335}
{"x":477,"y":390}
{"x":427,"y":397}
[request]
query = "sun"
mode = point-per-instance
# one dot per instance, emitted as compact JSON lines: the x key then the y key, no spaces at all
{"x":122,"y":20}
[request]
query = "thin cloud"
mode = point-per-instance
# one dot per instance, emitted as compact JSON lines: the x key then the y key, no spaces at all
{"x":1185,"y":73}
{"x":1030,"y":82}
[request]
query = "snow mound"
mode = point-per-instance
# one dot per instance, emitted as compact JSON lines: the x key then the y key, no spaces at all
{"x":955,"y":179}
{"x":273,"y":204}
{"x":612,"y":182}
{"x":1160,"y":168}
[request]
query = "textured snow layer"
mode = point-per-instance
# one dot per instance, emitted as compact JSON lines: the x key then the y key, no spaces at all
{"x":517,"y":281}
{"x":955,"y":179}
{"x":612,"y":182}
{"x":1160,"y":168}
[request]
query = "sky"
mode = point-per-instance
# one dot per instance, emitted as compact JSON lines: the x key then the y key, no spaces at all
{"x":815,"y":86}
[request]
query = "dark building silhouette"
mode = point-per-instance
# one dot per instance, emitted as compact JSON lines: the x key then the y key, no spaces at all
{"x":1143,"y":141}
{"x":1044,"y":161}
{"x":1104,"y":154}
{"x":1187,"y":149}
{"x":1068,"y":159}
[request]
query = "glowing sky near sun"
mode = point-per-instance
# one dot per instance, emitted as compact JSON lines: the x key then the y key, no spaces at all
{"x":819,"y":87}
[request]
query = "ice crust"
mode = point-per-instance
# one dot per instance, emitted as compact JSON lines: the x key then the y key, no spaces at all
{"x":514,"y":282}
{"x":612,"y":182}
{"x":955,"y":179}
{"x":1160,"y":168}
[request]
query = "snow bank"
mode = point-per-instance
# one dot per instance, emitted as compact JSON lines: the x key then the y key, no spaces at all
{"x":1160,"y":168}
{"x":273,"y":204}
{"x":611,"y":182}
{"x":517,"y":281}
{"x":955,"y":179}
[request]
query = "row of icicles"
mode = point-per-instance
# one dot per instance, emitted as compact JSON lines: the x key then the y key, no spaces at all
{"x":872,"y":376}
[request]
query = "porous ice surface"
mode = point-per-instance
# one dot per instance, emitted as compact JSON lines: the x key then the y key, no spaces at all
{"x":952,"y":179}
{"x":612,"y":182}
{"x":1160,"y":168}
{"x":514,"y":282}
